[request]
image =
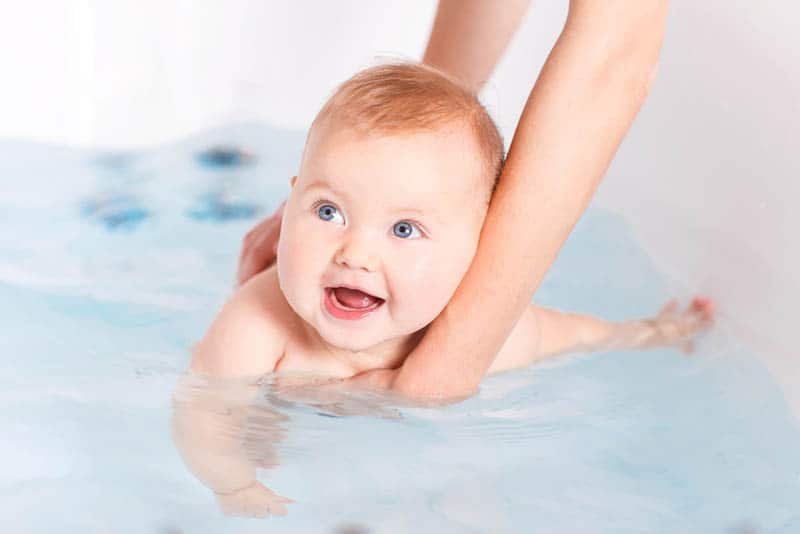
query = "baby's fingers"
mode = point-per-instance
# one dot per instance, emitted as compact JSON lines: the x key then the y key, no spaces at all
{"x":692,"y":324}
{"x":278,"y":509}
{"x":704,"y":307}
{"x":261,"y":509}
{"x":669,"y":308}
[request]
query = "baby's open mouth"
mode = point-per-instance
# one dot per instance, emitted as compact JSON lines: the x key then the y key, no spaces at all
{"x":353,"y":299}
{"x":347,"y":303}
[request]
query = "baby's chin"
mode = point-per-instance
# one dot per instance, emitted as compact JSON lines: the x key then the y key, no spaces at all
{"x":351,"y":342}
{"x":370,"y":341}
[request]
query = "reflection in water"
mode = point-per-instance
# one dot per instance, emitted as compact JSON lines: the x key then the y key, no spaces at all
{"x":119,"y":203}
{"x":224,"y":156}
{"x":743,"y":527}
{"x":224,"y":199}
{"x":351,"y":528}
{"x":118,"y":161}
{"x":225,"y":435}
{"x":222,"y":204}
{"x":226,"y":430}
{"x":331,"y":397}
{"x":169,"y":529}
{"x":545,"y":438}
{"x":115,"y":211}
{"x":116,"y":205}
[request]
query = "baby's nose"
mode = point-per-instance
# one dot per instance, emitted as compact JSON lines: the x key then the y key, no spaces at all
{"x":357,"y":254}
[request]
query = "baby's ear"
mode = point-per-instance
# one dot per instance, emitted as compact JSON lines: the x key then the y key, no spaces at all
{"x":292,"y":180}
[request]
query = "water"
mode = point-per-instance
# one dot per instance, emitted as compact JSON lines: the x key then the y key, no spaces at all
{"x":112,"y":265}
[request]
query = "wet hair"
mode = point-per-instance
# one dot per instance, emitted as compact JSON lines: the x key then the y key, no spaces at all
{"x":407,"y":97}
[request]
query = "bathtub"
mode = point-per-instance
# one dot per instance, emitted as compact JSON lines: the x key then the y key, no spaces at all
{"x":120,"y":242}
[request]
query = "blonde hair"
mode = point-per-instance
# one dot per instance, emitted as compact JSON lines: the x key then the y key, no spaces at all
{"x":404,"y":97}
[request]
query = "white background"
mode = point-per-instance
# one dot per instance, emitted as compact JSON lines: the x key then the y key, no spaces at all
{"x":709,"y":175}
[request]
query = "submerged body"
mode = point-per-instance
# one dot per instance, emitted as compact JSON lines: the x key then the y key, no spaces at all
{"x":382,"y":223}
{"x":258,"y":334}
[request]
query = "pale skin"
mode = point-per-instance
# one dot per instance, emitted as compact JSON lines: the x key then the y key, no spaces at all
{"x":586,"y":97}
{"x":399,"y":217}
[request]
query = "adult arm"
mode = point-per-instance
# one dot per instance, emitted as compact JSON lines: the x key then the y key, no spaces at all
{"x":469,"y":36}
{"x":586,"y":97}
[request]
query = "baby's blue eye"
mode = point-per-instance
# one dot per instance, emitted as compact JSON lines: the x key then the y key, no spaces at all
{"x":406,"y":230}
{"x":328,"y":212}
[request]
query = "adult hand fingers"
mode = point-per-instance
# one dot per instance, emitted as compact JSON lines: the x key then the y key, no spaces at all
{"x":260,"y":246}
{"x":256,"y":257}
{"x":251,"y":258}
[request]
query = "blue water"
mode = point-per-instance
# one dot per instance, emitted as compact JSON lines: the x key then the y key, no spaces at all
{"x":112,"y":265}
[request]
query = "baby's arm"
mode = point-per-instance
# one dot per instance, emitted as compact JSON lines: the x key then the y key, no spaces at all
{"x":209,"y":422}
{"x":210,"y":404}
{"x":543,"y":332}
{"x":567,"y":332}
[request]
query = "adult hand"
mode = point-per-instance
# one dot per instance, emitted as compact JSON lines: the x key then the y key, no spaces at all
{"x":260,"y":246}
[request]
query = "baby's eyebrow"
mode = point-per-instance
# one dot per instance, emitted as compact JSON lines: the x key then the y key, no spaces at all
{"x":415,"y":211}
{"x":319,"y":184}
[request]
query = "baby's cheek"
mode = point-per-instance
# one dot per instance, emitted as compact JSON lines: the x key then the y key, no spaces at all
{"x":425,"y":284}
{"x":298,"y":268}
{"x":421,"y":270}
{"x":302,"y":243}
{"x":416,"y":268}
{"x":288,"y":255}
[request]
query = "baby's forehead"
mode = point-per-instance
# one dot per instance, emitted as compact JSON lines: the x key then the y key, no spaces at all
{"x":427,"y":174}
{"x":447,"y":156}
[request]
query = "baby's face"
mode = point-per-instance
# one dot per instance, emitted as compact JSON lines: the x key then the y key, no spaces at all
{"x":379,"y":230}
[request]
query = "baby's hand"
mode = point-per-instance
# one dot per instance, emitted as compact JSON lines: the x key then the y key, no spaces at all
{"x":255,"y":500}
{"x":675,"y":327}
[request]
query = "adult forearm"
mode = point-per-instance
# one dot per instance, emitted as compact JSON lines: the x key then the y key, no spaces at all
{"x":469,"y":36}
{"x":587,"y":95}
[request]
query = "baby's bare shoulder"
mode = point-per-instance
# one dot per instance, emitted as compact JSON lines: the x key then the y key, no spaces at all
{"x":248,"y":336}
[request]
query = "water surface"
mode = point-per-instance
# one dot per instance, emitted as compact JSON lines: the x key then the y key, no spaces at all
{"x":112,"y":265}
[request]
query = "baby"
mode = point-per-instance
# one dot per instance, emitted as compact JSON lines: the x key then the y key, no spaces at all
{"x":380,"y":226}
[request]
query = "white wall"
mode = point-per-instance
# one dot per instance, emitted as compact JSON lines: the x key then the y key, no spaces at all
{"x":710,"y":173}
{"x":122,"y":73}
{"x":708,"y":176}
